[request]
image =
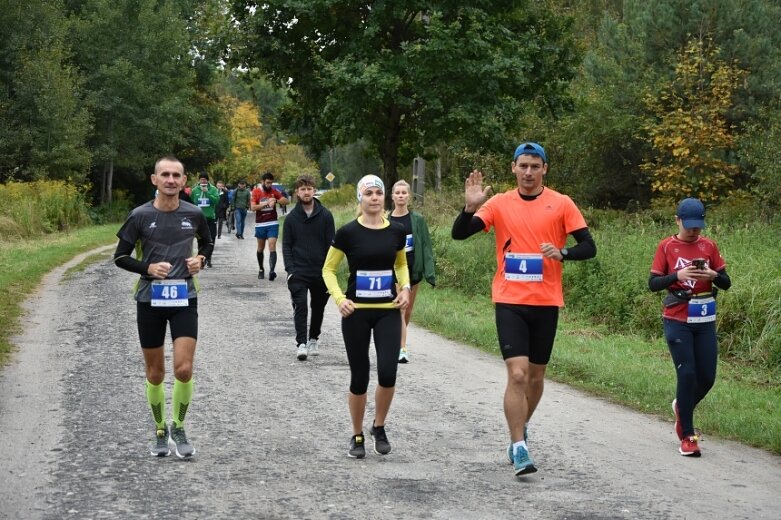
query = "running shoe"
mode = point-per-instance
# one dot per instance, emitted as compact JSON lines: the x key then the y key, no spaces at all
{"x":381,"y":444}
{"x":261,"y":274}
{"x":160,"y":447}
{"x":312,"y":347}
{"x":522,"y":462}
{"x":209,"y":264}
{"x":302,"y":352}
{"x":357,"y":448}
{"x":689,"y":447}
{"x":403,"y":356}
{"x":178,"y":438}
{"x":525,"y":439}
{"x":272,"y":276}
{"x":678,"y":426}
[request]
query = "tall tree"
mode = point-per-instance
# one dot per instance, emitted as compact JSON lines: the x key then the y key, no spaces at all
{"x":634,"y":47}
{"x":408,"y":74}
{"x":136,"y":59}
{"x":43,"y":124}
{"x":690,"y":134}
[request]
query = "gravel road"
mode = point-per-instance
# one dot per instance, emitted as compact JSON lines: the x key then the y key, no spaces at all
{"x":272,"y":432}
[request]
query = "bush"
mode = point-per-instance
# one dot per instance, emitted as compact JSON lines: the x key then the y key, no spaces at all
{"x":612,"y":289}
{"x":35,"y":208}
{"x":343,"y":196}
{"x":117,"y":211}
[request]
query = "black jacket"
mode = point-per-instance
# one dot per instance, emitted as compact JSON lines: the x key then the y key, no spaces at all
{"x":306,"y":239}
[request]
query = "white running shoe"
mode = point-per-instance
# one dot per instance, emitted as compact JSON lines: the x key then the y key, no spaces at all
{"x":312,"y":347}
{"x":302,"y":352}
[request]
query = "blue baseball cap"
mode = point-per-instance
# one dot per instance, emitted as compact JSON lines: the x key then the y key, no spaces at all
{"x":692,"y":213}
{"x":531,"y":149}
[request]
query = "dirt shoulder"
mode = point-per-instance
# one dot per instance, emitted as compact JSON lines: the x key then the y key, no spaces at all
{"x":272,"y":432}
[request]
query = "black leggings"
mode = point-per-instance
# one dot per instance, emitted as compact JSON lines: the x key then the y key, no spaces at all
{"x":357,"y":331}
{"x":693,"y":347}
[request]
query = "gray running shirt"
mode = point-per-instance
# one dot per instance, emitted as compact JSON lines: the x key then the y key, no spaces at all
{"x":165,"y":236}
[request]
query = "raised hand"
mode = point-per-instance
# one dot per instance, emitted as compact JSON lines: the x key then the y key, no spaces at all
{"x":474,"y":192}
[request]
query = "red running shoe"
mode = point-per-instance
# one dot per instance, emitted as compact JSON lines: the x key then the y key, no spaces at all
{"x":678,"y":427}
{"x":689,"y":447}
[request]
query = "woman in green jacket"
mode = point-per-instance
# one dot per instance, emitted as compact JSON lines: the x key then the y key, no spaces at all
{"x":420,"y":255}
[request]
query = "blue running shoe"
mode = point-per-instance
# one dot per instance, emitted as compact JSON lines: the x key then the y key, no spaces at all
{"x":523,"y":462}
{"x":510,"y":447}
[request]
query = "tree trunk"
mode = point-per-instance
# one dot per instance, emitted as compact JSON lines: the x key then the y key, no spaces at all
{"x":110,"y":182}
{"x":103,"y":184}
{"x":390,"y":153}
{"x":438,"y":183}
{"x":106,"y":182}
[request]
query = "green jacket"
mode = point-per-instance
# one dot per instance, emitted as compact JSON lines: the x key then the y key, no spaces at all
{"x":241,"y":198}
{"x":207,"y":200}
{"x":422,"y":267}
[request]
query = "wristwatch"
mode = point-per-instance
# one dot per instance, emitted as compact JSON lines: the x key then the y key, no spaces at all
{"x":564,"y":252}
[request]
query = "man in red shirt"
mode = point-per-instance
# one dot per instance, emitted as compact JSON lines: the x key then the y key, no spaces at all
{"x":531,"y":224}
{"x":264,"y":203}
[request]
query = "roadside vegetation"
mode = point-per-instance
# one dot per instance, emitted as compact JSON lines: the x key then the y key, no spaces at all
{"x":610,"y":339}
{"x":43,"y":224}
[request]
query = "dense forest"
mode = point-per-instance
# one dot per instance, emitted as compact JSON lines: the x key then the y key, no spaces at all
{"x":637,"y":102}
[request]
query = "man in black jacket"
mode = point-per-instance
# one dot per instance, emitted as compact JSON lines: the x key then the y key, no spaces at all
{"x":307,"y":234}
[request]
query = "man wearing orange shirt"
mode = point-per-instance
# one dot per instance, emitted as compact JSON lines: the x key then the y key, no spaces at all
{"x":531,"y":224}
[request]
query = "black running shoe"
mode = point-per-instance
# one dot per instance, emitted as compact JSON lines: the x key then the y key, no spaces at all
{"x":261,"y":274}
{"x":357,"y":448}
{"x":272,"y":276}
{"x":381,"y":444}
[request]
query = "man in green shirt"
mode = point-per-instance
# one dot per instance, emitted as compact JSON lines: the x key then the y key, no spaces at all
{"x":206,"y":196}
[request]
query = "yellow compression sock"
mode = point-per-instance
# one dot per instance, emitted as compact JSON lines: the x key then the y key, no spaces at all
{"x":183,"y":393}
{"x":155,"y":395}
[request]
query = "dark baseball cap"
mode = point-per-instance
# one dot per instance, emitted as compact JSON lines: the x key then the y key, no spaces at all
{"x":692,"y":213}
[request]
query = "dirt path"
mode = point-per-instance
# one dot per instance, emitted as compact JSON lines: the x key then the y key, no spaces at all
{"x":272,"y":432}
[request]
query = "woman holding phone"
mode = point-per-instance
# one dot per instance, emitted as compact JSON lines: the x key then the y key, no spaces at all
{"x":691,"y":269}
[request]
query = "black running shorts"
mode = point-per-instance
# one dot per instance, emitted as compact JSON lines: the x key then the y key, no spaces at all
{"x":526,"y":330}
{"x":152,"y":322}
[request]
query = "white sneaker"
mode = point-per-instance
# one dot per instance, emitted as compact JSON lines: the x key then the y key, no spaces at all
{"x":302,"y":352}
{"x":403,"y":356}
{"x":312,"y":347}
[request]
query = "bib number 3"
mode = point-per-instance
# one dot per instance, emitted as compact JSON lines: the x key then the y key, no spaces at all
{"x":701,"y":310}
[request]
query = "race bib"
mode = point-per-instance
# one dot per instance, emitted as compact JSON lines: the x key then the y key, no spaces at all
{"x":203,"y":202}
{"x":409,"y":244}
{"x":702,"y":310}
{"x":169,"y":293}
{"x":373,"y":284}
{"x":521,"y":267}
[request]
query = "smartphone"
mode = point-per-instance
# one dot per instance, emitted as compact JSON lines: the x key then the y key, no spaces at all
{"x":699,"y":263}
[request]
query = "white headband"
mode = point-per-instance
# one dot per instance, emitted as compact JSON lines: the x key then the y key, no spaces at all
{"x":369,"y":181}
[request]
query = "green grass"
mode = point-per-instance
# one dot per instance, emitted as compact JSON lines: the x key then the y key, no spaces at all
{"x":625,"y":369}
{"x":632,"y":368}
{"x":609,"y":341}
{"x":23,"y":263}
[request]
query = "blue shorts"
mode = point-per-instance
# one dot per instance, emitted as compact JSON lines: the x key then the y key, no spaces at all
{"x":267,"y":232}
